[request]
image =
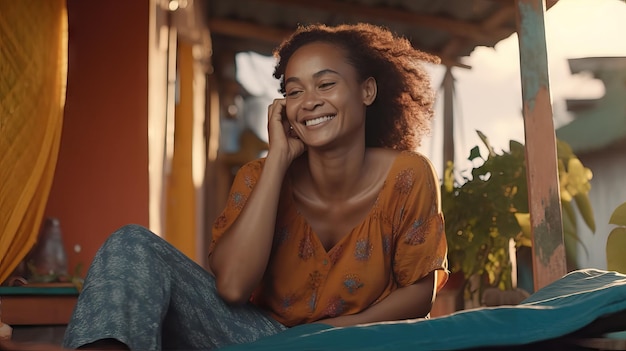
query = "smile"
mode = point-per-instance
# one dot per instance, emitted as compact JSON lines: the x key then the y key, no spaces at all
{"x":316,"y":121}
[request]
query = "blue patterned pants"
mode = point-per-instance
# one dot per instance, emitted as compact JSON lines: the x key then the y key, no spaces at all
{"x":145,"y":293}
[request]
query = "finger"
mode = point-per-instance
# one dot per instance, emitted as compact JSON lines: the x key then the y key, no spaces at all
{"x":275,"y":110}
{"x":277,"y":120}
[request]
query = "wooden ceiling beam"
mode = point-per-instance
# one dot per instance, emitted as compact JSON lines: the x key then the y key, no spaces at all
{"x":549,"y":3}
{"x":499,"y":18}
{"x":454,"y":27}
{"x":273,"y":36}
{"x":453,"y":47}
{"x":248,"y":30}
{"x":496,"y":20}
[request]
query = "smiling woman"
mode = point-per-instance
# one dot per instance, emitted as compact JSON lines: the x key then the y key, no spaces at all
{"x":328,"y":197}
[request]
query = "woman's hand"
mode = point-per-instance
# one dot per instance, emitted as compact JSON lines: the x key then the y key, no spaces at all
{"x":282,"y":138}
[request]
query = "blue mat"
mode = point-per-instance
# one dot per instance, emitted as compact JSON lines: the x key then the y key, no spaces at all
{"x":561,"y":308}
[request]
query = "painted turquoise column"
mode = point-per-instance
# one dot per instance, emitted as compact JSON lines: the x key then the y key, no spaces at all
{"x":541,"y":158}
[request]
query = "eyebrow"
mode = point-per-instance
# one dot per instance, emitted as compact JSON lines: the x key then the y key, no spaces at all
{"x":315,"y":75}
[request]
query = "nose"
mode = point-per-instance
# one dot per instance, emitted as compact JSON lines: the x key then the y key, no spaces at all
{"x":311,"y":100}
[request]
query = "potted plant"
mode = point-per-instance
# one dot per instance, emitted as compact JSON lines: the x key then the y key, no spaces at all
{"x":487,"y":217}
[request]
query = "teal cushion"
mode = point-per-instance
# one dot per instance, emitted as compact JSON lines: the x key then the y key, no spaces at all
{"x":563,"y":307}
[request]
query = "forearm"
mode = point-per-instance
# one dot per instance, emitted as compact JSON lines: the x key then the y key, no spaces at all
{"x":413,"y":301}
{"x":239,"y":259}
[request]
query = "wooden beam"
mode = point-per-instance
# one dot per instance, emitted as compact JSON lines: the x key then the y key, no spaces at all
{"x":458,"y":28}
{"x":541,"y":159}
{"x":454,"y":46}
{"x":273,"y":35}
{"x":243,"y":29}
{"x":496,"y":20}
{"x":499,"y":18}
{"x":549,"y":3}
{"x":448,"y":117}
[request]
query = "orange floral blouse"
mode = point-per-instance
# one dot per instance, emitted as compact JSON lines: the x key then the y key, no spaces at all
{"x":401,"y":240}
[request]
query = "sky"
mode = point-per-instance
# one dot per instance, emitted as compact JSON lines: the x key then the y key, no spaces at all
{"x":488,"y":96}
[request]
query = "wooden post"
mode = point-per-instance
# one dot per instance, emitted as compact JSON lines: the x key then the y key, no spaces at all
{"x":541,"y":159}
{"x":448,"y":117}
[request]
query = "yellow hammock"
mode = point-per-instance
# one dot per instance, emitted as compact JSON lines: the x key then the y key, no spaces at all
{"x":33,"y":72}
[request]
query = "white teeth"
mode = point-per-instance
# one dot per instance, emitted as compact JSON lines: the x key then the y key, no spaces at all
{"x":316,"y":121}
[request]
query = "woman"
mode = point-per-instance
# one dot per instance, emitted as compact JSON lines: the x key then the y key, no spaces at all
{"x":326,"y":203}
{"x":339,"y":224}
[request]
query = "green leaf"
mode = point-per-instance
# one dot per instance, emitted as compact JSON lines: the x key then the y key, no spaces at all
{"x":564,"y":150}
{"x":516,"y":147}
{"x":584,"y":206}
{"x":448,"y":177}
{"x":568,"y":212}
{"x":523,"y":219}
{"x":474,"y":153}
{"x":571,"y":234}
{"x":615,"y":244}
{"x":569,"y":223}
{"x":619,"y":215}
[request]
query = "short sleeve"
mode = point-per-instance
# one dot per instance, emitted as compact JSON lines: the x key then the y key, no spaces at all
{"x":419,"y":235}
{"x":245,"y":180}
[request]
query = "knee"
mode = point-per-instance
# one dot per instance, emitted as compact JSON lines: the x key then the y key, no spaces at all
{"x":131,"y":235}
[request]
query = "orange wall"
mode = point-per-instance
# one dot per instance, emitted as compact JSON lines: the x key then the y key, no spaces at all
{"x":101,"y":179}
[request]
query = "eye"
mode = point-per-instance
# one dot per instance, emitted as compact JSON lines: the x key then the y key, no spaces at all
{"x":293,"y":93}
{"x":326,"y":85}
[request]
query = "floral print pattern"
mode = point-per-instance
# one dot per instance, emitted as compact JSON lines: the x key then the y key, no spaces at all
{"x":352,"y":283}
{"x":416,"y":234}
{"x":363,"y":250}
{"x":307,"y":248}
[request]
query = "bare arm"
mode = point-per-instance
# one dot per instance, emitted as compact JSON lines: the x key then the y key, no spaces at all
{"x":239,"y":259}
{"x":413,"y":301}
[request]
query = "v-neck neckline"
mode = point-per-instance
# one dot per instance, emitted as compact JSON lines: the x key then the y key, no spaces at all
{"x":292,"y":205}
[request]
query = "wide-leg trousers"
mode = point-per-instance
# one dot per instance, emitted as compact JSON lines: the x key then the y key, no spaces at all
{"x":142,"y":291}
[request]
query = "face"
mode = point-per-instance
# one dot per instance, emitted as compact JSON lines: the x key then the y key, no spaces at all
{"x":325,"y":100}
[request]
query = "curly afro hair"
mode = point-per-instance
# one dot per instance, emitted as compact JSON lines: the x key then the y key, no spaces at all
{"x":403,"y":108}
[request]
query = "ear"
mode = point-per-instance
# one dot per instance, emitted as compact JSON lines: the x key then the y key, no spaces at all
{"x":370,"y":89}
